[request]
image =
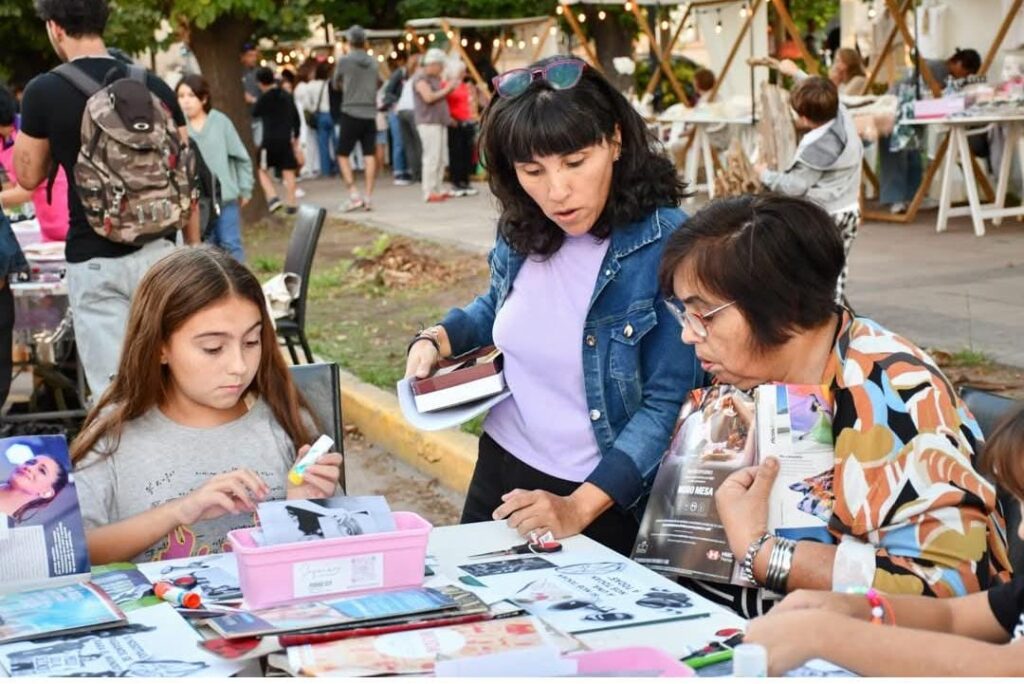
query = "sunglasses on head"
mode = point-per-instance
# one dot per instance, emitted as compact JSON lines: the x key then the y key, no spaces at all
{"x":561,"y":74}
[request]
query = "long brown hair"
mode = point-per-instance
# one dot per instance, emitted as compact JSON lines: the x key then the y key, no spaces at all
{"x":1003,"y":455}
{"x":175,"y":289}
{"x":852,"y":61}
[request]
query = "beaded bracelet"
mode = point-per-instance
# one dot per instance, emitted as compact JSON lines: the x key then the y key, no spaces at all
{"x":880,"y":606}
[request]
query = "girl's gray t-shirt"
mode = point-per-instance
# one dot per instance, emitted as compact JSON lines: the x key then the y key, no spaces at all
{"x":159,"y":460}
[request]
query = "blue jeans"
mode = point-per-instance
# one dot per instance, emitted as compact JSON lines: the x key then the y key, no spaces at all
{"x":398,"y":164}
{"x":227,"y":231}
{"x":327,"y":143}
{"x":900,"y":173}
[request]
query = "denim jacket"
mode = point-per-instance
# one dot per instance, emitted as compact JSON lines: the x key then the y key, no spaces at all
{"x":12,"y":260}
{"x":636,"y":370}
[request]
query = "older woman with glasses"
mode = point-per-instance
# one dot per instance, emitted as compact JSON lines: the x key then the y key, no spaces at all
{"x":587,"y":204}
{"x":754,"y":280}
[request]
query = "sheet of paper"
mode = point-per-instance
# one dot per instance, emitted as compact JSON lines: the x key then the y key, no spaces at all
{"x":444,"y":418}
{"x":295,"y":520}
{"x":214,"y":577}
{"x":157,"y":642}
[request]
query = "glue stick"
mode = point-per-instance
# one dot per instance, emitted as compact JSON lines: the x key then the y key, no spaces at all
{"x":177,"y":596}
{"x":320,"y":447}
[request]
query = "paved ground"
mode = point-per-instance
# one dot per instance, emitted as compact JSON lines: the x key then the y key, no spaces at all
{"x":952,"y":290}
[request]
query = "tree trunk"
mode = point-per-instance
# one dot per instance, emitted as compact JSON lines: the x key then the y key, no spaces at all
{"x":216,"y":48}
{"x":611,"y":40}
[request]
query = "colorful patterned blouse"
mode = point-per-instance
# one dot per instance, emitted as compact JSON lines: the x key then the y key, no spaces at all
{"x":911,"y":513}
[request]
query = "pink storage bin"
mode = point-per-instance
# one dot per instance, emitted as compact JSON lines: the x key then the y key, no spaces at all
{"x":313,"y":570}
{"x":938,"y":107}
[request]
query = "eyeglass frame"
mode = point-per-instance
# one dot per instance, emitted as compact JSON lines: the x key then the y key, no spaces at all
{"x":540,"y":73}
{"x":698,"y":322}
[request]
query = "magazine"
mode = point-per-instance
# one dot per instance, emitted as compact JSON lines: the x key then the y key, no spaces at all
{"x":125,"y":585}
{"x":416,"y":652}
{"x":42,"y":537}
{"x":321,"y":614}
{"x":721,"y":429}
{"x":156,"y":642}
{"x":61,"y":610}
{"x":295,"y":520}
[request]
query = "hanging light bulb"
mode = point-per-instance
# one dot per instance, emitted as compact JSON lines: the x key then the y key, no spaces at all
{"x":401,"y":46}
{"x":871,"y":12}
{"x":430,"y":37}
{"x":450,"y":34}
{"x":464,"y":42}
{"x":553,"y":30}
{"x":743,"y":11}
{"x":582,"y":17}
{"x":601,"y":15}
{"x":664,"y":24}
{"x":263,"y":62}
{"x":497,"y":42}
{"x":394,"y":55}
{"x":279,"y":58}
{"x":477,"y":46}
{"x":509,"y":42}
{"x":330,"y":59}
{"x":522,"y":44}
{"x":559,"y":9}
{"x":408,"y":37}
{"x":369,"y":51}
{"x":535,"y":40}
{"x":380,"y":58}
{"x":421,"y":40}
{"x":629,"y":7}
{"x":718,"y":21}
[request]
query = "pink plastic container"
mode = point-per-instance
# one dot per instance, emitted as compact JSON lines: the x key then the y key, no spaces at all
{"x":313,"y":570}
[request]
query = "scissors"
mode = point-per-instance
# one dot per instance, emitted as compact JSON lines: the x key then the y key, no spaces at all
{"x":539,"y":547}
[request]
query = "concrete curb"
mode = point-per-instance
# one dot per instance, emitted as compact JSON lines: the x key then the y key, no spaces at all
{"x":448,"y":455}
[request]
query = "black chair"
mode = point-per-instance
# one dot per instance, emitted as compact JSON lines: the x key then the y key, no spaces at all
{"x":301,"y":249}
{"x":319,"y":385}
{"x":988,"y":409}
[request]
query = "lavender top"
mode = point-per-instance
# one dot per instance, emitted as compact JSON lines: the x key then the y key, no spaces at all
{"x":545,"y":423}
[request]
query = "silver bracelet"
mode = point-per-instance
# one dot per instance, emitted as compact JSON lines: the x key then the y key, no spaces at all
{"x":747,"y":566}
{"x":780,"y":563}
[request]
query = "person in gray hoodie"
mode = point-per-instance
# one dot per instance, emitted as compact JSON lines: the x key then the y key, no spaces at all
{"x":356,"y":77}
{"x":826,"y":167}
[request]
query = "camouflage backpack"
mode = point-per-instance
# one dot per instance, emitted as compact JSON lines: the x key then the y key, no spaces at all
{"x":133,"y":175}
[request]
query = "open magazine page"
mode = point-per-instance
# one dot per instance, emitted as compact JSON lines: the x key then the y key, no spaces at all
{"x":42,"y":537}
{"x":794,"y":425}
{"x":681,"y":532}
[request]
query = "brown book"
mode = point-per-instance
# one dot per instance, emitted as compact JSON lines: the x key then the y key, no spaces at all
{"x":475,"y":375}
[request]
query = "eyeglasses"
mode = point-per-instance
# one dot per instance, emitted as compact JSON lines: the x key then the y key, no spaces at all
{"x":698,"y":322}
{"x":561,"y":74}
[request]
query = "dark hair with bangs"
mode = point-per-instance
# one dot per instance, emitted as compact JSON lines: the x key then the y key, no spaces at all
{"x":78,"y":18}
{"x":199,"y":87}
{"x":1003,"y":454}
{"x":777,"y":257}
{"x":542,"y":122}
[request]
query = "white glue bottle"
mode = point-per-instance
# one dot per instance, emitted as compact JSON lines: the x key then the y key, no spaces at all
{"x":749,"y":660}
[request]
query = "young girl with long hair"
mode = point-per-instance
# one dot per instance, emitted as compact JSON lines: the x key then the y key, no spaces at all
{"x":972,"y":636}
{"x":201,"y":422}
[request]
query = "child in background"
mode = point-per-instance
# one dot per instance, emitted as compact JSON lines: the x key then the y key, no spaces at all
{"x":201,"y":422}
{"x":827,"y":165}
{"x":973,"y":636}
{"x":279,"y":149}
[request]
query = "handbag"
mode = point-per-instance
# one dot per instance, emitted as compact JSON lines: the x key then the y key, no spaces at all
{"x":311,"y":116}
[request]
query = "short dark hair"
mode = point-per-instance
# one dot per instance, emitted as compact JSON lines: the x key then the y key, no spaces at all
{"x":265,"y":75}
{"x":704,"y":79}
{"x":542,"y":121}
{"x":777,"y":257}
{"x":969,"y":59}
{"x":198,"y":85}
{"x":8,"y":107}
{"x":1001,"y":456}
{"x":288,"y":76}
{"x":323,"y":70}
{"x":77,"y":17}
{"x":815,"y":98}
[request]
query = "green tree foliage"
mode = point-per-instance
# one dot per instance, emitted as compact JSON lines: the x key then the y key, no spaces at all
{"x":26,"y":50}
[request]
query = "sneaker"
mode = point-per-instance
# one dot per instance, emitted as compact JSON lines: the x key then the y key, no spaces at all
{"x":455,"y":192}
{"x":402,"y":180}
{"x":436,"y":197}
{"x":367,"y":204}
{"x":353,"y":204}
{"x":468,"y":191}
{"x":898,"y":208}
{"x":300,"y":193}
{"x":274,"y":205}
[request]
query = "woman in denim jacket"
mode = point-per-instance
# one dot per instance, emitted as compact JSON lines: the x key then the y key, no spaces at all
{"x":592,"y":355}
{"x":12,"y":261}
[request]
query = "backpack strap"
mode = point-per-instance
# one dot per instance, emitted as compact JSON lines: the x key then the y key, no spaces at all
{"x":86,"y":85}
{"x":137,"y":73}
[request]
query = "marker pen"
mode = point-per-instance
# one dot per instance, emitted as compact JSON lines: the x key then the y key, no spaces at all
{"x":177,"y":596}
{"x":320,"y":447}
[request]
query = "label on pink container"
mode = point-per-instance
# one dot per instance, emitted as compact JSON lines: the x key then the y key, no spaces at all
{"x":337,"y":575}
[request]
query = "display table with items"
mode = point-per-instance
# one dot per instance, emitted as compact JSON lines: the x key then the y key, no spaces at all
{"x":44,"y":340}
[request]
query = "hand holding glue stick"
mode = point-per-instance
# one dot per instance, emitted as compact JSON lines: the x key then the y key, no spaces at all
{"x":316,"y":473}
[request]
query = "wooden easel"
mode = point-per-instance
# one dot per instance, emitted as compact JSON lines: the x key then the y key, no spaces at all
{"x":897,"y":10}
{"x":577,"y":31}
